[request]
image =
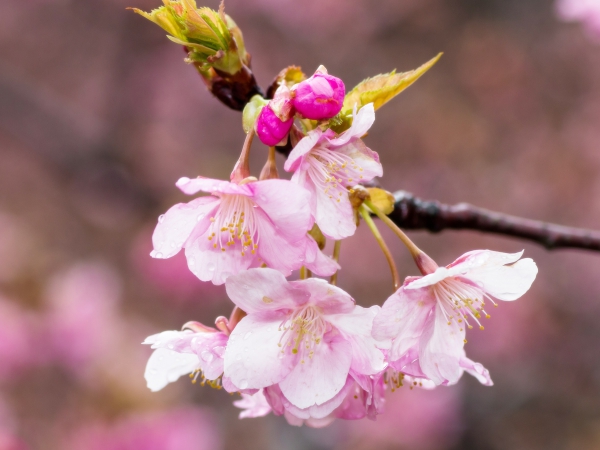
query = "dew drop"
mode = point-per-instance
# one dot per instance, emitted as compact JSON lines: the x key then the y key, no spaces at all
{"x":200,"y":216}
{"x":211,"y":267}
{"x":238,"y":357}
{"x":243,"y":384}
{"x":219,"y":350}
{"x":161,"y":218}
{"x":194,"y":340}
{"x":245,"y":349}
{"x":207,"y":356}
{"x":191,"y":262}
{"x":247,"y":335}
{"x":170,"y":346}
{"x":160,"y":358}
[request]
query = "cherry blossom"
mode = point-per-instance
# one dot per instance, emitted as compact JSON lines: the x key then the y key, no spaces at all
{"x":327,"y":165}
{"x":179,"y":353}
{"x":304,"y":336}
{"x":427,"y":317}
{"x":241,"y":225}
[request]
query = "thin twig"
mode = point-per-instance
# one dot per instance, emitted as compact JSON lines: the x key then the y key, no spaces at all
{"x":412,"y":213}
{"x":384,"y":248}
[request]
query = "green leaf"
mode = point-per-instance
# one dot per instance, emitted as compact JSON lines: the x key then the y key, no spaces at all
{"x":379,"y":90}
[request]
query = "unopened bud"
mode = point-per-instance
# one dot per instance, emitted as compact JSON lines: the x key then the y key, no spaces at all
{"x":271,"y":130}
{"x":319,"y":97}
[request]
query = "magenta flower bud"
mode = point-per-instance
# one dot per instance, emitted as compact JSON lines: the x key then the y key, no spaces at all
{"x":319,"y":97}
{"x":271,"y":129}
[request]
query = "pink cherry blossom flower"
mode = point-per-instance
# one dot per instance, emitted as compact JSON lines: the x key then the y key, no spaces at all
{"x":319,"y":97}
{"x":427,"y":316}
{"x":304,"y":336}
{"x":253,"y":405}
{"x":327,"y":165}
{"x":238,"y":227}
{"x":179,"y":353}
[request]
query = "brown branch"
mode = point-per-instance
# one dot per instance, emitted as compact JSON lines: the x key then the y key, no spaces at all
{"x":412,"y":213}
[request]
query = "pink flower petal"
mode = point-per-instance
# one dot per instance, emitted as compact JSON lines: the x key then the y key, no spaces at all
{"x":367,"y":358}
{"x":317,"y":262}
{"x":365,"y":158}
{"x":505,"y":282}
{"x":253,"y":357}
{"x":195,"y":185}
{"x":321,"y":377}
{"x":176,"y":225}
{"x":330,"y":299}
{"x":166,"y":366}
{"x":263,"y":289}
{"x":441,"y":349}
{"x":335,"y":218}
{"x":254,"y":405}
{"x":213,"y":264}
{"x":477,"y":370}
{"x":305,"y":145}
{"x":403,"y":317}
{"x":363,"y":120}
{"x":323,"y":410}
{"x":287,"y":205}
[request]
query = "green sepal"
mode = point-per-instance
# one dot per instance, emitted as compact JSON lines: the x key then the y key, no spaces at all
{"x":251,"y":112}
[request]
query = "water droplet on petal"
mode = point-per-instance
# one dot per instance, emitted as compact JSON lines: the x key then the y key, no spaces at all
{"x":247,"y":335}
{"x":170,"y":346}
{"x":245,"y":349}
{"x":211,"y":267}
{"x":243,"y":384}
{"x":161,"y":218}
{"x":207,"y":356}
{"x":238,"y":357}
{"x":200,"y":216}
{"x":191,"y":262}
{"x":219,"y":350}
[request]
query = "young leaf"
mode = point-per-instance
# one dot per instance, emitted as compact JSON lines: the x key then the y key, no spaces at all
{"x":381,"y":89}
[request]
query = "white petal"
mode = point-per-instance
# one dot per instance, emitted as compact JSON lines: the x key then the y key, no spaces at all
{"x":166,"y":366}
{"x":505,"y":282}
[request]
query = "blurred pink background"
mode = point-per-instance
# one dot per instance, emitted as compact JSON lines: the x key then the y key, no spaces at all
{"x":99,"y":117}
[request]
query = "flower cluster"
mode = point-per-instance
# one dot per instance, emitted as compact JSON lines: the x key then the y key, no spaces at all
{"x":302,"y":347}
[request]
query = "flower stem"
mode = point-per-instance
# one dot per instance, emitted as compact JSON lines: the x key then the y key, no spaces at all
{"x":386,"y":251}
{"x":269,"y":171}
{"x":412,"y":248}
{"x":336,"y":256}
{"x":242,"y":167}
{"x":425,"y":264}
